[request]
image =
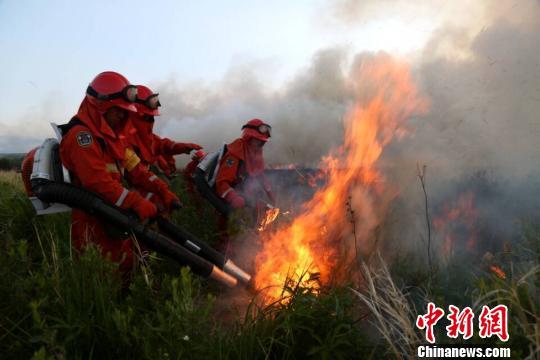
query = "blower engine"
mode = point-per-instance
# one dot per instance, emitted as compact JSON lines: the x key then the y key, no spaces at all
{"x":204,"y":178}
{"x":43,"y":164}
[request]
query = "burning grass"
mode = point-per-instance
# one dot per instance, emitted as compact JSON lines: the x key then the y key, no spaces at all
{"x":456,"y":220}
{"x":56,"y":305}
{"x":318,"y":240}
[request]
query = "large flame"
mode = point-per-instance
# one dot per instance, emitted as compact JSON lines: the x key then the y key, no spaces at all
{"x":337,"y":224}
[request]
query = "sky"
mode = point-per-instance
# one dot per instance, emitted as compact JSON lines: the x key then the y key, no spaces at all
{"x":190,"y":51}
{"x":52,"y":49}
{"x":58,"y":46}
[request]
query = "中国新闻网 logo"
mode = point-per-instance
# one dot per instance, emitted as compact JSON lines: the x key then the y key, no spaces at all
{"x":491,"y":322}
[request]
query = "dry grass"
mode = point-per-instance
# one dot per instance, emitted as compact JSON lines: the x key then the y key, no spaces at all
{"x":521,"y":296}
{"x":391,"y":312}
{"x":12,"y":179}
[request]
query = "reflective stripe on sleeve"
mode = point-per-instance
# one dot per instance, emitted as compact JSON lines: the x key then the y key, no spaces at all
{"x":149,"y":195}
{"x":152,"y":178}
{"x":122,"y":197}
{"x":226,"y":192}
{"x":131,"y":159}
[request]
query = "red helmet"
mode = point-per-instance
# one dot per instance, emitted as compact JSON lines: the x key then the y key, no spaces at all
{"x":147,"y":102}
{"x":109,"y":89}
{"x":256,"y":128}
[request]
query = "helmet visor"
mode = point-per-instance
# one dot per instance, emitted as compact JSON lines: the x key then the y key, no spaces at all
{"x":129,"y":93}
{"x":151,"y":102}
{"x":263,"y":129}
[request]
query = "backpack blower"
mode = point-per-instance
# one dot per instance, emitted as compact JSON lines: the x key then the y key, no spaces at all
{"x":47,"y":183}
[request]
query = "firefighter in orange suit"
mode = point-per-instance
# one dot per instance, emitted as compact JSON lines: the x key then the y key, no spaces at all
{"x":242,"y":166}
{"x":95,"y":151}
{"x":240,"y":179}
{"x":151,"y":148}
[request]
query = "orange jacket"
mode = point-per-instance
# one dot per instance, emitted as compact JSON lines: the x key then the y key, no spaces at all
{"x":234,"y":170}
{"x":94,"y":166}
{"x":153,"y":149}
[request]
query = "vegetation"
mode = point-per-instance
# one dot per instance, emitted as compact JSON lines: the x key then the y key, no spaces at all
{"x":10,"y":161}
{"x":55,"y":304}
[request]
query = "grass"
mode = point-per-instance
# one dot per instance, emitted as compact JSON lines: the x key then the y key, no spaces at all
{"x":391,"y":311}
{"x":55,"y":305}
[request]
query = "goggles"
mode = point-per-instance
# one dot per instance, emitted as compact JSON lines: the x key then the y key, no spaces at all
{"x":262,"y":129}
{"x":129,"y":93}
{"x":151,"y":102}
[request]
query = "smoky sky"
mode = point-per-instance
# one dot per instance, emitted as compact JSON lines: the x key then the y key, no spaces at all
{"x":484,"y":108}
{"x":306,"y":114}
{"x":482,"y":76}
{"x":481,"y":134}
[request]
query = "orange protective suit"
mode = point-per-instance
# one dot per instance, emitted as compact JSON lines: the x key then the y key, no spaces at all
{"x":240,"y":179}
{"x":242,"y":166}
{"x":97,"y":158}
{"x":155,"y":150}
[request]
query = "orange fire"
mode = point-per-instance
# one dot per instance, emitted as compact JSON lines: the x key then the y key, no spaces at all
{"x":498,"y":272}
{"x":270,"y":216}
{"x":463,"y":215}
{"x":324,"y":240}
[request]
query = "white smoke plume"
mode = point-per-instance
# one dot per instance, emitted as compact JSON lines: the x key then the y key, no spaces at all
{"x":480,"y":69}
{"x":305,"y":114}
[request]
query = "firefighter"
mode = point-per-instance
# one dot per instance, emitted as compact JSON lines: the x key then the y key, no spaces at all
{"x":240,"y":179}
{"x":152,"y":149}
{"x":95,"y":151}
{"x":240,"y":176}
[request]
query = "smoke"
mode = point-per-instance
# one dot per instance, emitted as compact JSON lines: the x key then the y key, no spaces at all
{"x":481,"y":71}
{"x":306,"y":114}
{"x":482,"y":131}
{"x":483,"y":89}
{"x":485,"y":110}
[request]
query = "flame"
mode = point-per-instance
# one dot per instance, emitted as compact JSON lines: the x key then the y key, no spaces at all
{"x":498,"y":272}
{"x":336,"y":225}
{"x":313,"y":179}
{"x":271,"y":215}
{"x":458,"y":223}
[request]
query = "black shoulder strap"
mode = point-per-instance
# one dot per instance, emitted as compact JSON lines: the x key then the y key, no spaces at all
{"x":65,"y":128}
{"x":71,"y":124}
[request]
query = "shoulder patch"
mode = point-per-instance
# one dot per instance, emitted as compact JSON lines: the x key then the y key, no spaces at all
{"x":84,"y":138}
{"x":230,"y":162}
